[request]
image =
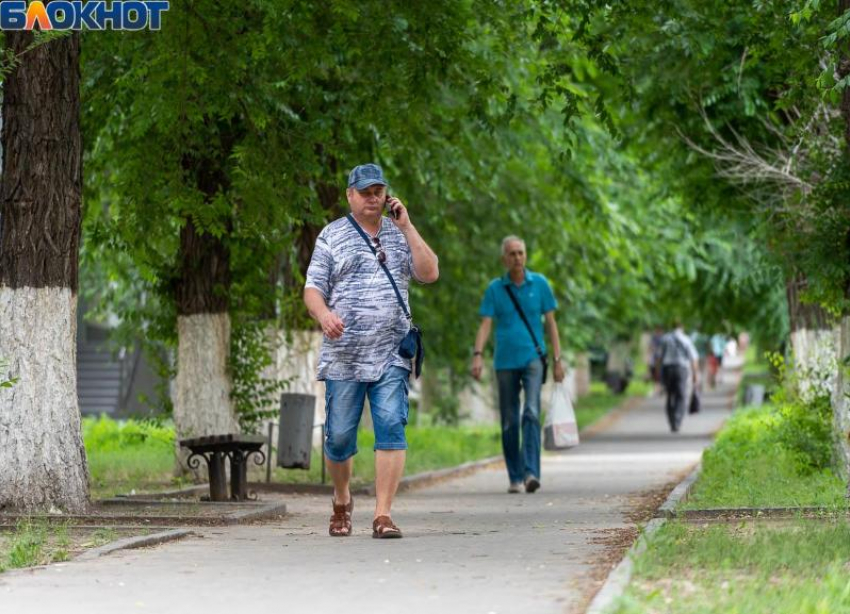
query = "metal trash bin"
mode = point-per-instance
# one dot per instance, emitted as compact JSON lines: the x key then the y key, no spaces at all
{"x":754,"y":395}
{"x":295,"y":430}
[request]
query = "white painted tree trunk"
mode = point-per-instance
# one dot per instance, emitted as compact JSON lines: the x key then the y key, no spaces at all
{"x":202,"y":404}
{"x":815,"y":365}
{"x":840,"y":398}
{"x":42,"y":458}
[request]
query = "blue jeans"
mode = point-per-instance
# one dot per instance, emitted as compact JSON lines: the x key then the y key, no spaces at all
{"x":344,"y":401}
{"x":522,"y":462}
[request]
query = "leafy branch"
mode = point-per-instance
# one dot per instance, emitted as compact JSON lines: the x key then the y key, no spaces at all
{"x":6,"y":383}
{"x":9,"y":60}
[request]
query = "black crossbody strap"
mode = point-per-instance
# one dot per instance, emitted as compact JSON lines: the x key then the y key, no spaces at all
{"x":383,"y":266}
{"x":525,"y":321}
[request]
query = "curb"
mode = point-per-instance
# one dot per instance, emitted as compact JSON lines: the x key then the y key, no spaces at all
{"x":128,"y":543}
{"x":680,"y":493}
{"x":616,"y":582}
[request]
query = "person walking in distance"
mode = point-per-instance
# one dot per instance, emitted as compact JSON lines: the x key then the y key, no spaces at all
{"x":519,"y":302}
{"x":679,"y":362}
{"x":363,"y":322}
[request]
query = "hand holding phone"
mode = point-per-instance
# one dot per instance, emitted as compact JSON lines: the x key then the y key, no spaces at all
{"x":392,"y":211}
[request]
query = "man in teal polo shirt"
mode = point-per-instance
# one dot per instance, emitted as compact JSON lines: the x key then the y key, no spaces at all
{"x":518,"y":358}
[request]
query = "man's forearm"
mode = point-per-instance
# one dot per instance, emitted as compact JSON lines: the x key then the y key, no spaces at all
{"x":315,"y":303}
{"x":554,"y":338}
{"x":482,"y":336}
{"x":425,"y":262}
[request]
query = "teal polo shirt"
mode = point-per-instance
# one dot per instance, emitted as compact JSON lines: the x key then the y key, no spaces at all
{"x":514,"y":347}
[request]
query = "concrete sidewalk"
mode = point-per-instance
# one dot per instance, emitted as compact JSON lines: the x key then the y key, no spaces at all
{"x":469,"y":547}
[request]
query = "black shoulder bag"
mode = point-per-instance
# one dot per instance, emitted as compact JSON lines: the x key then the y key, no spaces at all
{"x":540,"y":352}
{"x":411,"y":346}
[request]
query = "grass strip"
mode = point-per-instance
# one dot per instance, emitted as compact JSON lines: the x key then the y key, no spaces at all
{"x":770,"y":456}
{"x":39,"y":543}
{"x":747,"y":568}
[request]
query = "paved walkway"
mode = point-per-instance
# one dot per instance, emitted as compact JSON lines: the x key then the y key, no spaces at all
{"x":469,"y":547}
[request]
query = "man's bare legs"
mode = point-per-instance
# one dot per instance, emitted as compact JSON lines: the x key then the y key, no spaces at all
{"x":341,"y":476}
{"x":389,"y":467}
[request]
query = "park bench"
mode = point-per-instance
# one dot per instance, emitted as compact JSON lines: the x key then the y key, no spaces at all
{"x":214,"y":449}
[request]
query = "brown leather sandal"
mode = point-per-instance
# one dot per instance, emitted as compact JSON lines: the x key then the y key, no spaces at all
{"x":340,"y":525}
{"x":383,"y":528}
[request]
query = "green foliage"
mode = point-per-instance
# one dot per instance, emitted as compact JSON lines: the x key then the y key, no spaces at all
{"x":6,"y":383}
{"x":552,"y":121}
{"x":717,"y":97}
{"x":107,"y":435}
{"x":255,"y":397}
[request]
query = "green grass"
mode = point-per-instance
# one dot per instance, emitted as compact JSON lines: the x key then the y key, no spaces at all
{"x":749,"y":568}
{"x":771,"y":456}
{"x":34,"y":543}
{"x":38,"y":543}
{"x":130,"y":455}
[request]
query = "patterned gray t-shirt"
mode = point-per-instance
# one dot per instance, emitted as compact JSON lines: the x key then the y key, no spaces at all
{"x":346,"y":271}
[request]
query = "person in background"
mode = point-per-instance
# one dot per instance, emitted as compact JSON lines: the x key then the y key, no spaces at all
{"x":679,"y":363}
{"x":518,"y":359}
{"x":715,"y":358}
{"x":654,"y":353}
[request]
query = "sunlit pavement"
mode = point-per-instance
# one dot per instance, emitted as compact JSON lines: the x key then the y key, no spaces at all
{"x":469,"y":547}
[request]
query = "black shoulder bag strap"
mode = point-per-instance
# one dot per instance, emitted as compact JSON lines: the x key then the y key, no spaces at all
{"x":414,"y":331}
{"x":537,"y":347}
{"x":383,"y":266}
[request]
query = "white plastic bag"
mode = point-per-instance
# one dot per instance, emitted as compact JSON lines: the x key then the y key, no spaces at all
{"x":561,"y":429}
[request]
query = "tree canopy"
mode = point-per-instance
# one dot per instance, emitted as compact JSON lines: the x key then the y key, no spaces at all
{"x":658,"y":159}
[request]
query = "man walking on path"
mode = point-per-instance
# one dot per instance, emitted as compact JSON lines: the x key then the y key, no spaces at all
{"x":679,"y":362}
{"x":353,"y":300}
{"x":518,"y":301}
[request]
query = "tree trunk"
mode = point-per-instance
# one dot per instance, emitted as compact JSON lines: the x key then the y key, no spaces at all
{"x":840,"y":405}
{"x":41,"y":448}
{"x":841,"y":398}
{"x":812,"y":342}
{"x":202,"y":404}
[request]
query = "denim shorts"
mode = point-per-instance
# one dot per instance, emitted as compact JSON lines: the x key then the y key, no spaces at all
{"x":344,"y":401}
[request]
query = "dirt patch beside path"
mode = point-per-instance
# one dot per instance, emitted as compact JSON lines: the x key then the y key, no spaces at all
{"x":641,"y":507}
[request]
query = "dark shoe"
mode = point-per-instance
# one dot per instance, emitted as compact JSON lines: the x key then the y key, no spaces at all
{"x":531,"y":484}
{"x":383,"y":528}
{"x":514,"y":488}
{"x":340,"y":525}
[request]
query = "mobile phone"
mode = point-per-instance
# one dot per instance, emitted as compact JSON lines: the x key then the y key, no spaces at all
{"x":392,"y":212}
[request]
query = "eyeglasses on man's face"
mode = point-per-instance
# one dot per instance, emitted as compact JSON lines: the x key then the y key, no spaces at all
{"x":380,"y":254}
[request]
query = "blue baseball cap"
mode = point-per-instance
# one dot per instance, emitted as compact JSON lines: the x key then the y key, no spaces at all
{"x":365,"y":175}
